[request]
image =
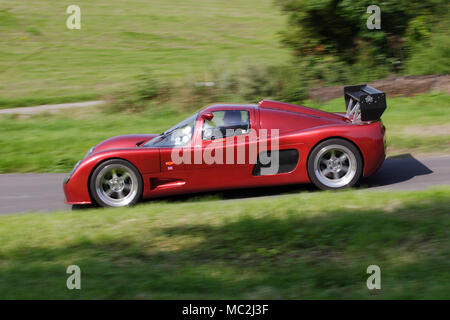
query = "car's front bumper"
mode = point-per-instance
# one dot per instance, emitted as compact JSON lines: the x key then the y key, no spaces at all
{"x":76,"y":186}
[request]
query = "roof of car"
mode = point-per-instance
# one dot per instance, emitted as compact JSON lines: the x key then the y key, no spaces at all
{"x":229,"y":106}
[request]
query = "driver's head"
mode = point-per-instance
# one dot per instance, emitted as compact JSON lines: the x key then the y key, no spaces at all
{"x":232,"y":118}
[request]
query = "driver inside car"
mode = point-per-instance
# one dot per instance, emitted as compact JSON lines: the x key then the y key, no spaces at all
{"x":233,"y":120}
{"x":225,"y":124}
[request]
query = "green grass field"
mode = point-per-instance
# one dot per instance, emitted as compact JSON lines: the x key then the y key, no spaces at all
{"x":53,"y":143}
{"x":311,"y":245}
{"x":41,"y":61}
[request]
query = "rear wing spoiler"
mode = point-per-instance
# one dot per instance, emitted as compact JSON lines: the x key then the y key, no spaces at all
{"x":364,"y":103}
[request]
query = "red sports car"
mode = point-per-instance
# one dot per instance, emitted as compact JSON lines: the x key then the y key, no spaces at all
{"x":237,"y":146}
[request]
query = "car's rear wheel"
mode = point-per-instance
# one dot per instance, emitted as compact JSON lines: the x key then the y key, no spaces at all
{"x":116,"y":183}
{"x":335,"y":164}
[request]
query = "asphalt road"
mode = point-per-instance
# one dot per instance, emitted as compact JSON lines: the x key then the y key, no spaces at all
{"x":43,"y":192}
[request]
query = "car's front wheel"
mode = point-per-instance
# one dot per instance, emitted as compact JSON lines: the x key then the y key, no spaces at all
{"x":116,"y":183}
{"x":335,"y":164}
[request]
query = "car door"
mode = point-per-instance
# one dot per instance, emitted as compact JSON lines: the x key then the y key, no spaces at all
{"x":223,"y":149}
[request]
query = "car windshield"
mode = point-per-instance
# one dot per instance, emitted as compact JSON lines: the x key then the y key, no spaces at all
{"x":177,"y":136}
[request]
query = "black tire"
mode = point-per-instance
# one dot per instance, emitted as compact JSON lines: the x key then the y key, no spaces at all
{"x":116,"y":183}
{"x":335,"y":164}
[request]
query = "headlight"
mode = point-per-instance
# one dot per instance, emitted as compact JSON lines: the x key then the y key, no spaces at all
{"x":73,"y":170}
{"x":78,"y":164}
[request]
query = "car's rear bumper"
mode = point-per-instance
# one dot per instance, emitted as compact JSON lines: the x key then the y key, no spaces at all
{"x":374,"y":168}
{"x":374,"y":150}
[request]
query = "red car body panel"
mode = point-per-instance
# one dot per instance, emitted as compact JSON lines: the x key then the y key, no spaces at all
{"x":300,"y":128}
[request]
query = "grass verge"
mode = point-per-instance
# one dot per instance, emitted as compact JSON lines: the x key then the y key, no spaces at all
{"x":304,"y":246}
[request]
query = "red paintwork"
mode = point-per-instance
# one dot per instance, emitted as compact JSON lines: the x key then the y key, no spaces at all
{"x":299,"y":127}
{"x":126,"y":141}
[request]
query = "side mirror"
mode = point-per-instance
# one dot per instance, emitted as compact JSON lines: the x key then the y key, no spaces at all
{"x":208,"y":116}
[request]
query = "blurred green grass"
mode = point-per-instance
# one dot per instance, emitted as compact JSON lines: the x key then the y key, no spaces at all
{"x":55,"y":142}
{"x":312,"y":245}
{"x":41,"y":61}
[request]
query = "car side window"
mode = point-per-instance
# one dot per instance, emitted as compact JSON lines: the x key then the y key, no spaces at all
{"x":226,"y":123}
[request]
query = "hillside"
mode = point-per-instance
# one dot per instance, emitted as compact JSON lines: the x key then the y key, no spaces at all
{"x":41,"y":61}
